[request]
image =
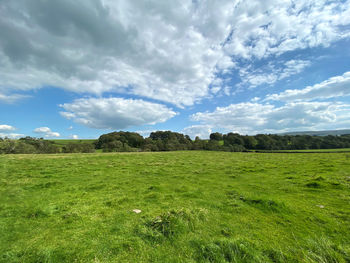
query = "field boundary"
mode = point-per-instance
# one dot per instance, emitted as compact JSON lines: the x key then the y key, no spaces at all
{"x":301,"y":151}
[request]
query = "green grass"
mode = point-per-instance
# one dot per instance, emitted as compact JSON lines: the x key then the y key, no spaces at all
{"x":62,"y":142}
{"x":310,"y":150}
{"x":196,"y":207}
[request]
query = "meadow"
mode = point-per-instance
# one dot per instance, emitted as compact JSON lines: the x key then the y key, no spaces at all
{"x":68,"y":141}
{"x":339,"y":150}
{"x":196,"y":206}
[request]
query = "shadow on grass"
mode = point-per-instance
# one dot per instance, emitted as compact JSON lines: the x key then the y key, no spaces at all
{"x":263,"y":204}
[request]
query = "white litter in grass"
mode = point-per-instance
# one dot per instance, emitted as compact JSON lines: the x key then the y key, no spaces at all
{"x":320,"y":206}
{"x":137,"y":211}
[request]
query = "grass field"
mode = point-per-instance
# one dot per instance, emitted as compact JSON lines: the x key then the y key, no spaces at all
{"x":196,"y":207}
{"x":62,"y":142}
{"x":309,"y":150}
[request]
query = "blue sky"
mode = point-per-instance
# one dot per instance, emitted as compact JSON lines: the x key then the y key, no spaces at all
{"x":78,"y":69}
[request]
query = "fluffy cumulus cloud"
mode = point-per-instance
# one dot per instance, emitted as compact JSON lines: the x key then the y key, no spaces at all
{"x":300,"y":109}
{"x":166,"y":50}
{"x":331,"y":88}
{"x":6,"y":131}
{"x":202,"y":131}
{"x":11,"y":135}
{"x":115,"y":113}
{"x":251,"y":118}
{"x":6,"y":128}
{"x":46,"y":132}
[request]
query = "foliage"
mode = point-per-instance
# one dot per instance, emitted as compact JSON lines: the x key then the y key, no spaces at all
{"x":78,"y":148}
{"x":27,"y":145}
{"x":119,"y":141}
{"x":216,"y":136}
{"x":173,"y":141}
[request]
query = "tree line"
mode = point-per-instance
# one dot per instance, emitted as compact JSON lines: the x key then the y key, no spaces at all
{"x":173,"y":141}
{"x":39,"y":145}
{"x":233,"y":142}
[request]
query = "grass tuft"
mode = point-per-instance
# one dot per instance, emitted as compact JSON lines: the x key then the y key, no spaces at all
{"x":323,"y":250}
{"x":225,"y":250}
{"x":175,"y":222}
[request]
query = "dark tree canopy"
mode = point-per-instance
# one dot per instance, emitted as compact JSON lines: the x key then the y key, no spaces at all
{"x":118,"y":141}
{"x":173,"y":141}
{"x":216,"y":136}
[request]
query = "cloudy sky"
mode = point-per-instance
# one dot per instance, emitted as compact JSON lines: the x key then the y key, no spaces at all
{"x":78,"y":69}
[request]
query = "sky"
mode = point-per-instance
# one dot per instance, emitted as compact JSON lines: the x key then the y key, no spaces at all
{"x":79,"y":69}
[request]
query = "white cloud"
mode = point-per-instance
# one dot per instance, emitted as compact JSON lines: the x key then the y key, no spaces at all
{"x":333,"y":87}
{"x":42,"y":130}
{"x":301,"y":110}
{"x":202,"y":131}
{"x":11,"y":135}
{"x":251,"y":118}
{"x":5,"y":127}
{"x":293,"y":67}
{"x":5,"y":131}
{"x":165,"y":50}
{"x":116,"y":113}
{"x":145,"y":133}
{"x":68,"y":115}
{"x":215,"y":89}
{"x":46,"y":132}
{"x":75,"y":137}
{"x":271,"y":73}
{"x":11,"y":98}
{"x":263,"y":28}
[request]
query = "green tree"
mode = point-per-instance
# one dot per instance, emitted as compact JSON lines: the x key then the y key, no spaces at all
{"x":216,"y":136}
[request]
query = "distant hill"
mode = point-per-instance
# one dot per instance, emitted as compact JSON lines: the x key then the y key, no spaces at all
{"x":318,"y":133}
